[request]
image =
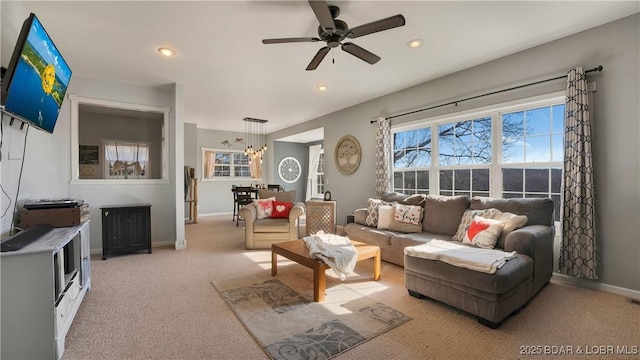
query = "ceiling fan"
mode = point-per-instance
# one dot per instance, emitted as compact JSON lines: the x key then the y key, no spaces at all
{"x":334,"y":31}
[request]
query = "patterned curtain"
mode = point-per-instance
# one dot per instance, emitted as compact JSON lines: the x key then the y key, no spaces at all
{"x":578,"y":248}
{"x":383,"y":153}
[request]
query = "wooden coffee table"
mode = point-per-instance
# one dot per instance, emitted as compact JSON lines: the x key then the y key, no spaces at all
{"x":297,"y":251}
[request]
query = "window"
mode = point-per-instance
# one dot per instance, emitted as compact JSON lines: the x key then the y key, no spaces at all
{"x":464,"y":156}
{"x":95,"y":122}
{"x":224,"y":164}
{"x":533,"y":154}
{"x":411,"y":161}
{"x":126,"y":160}
{"x":507,"y":150}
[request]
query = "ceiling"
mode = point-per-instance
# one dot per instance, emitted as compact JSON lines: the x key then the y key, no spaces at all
{"x":228,"y":74}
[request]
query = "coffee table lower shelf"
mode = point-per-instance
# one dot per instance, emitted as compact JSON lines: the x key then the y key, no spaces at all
{"x":297,"y":251}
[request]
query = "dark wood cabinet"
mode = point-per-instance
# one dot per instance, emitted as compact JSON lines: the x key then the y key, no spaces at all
{"x":126,"y":229}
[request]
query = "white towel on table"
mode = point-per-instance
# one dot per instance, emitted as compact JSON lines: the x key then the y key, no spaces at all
{"x":334,"y":250}
{"x":478,"y":259}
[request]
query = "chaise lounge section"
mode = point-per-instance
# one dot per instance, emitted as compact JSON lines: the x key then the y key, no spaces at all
{"x":491,"y":297}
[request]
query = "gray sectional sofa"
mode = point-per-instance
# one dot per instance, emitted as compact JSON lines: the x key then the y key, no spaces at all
{"x":491,"y":297}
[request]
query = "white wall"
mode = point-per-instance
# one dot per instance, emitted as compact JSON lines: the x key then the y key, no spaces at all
{"x":160,"y":196}
{"x":215,"y":196}
{"x":47,"y":170}
{"x":616,"y":128}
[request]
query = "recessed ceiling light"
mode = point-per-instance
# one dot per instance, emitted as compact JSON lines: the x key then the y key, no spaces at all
{"x":322,"y":87}
{"x":165,"y":51}
{"x":414,"y":43}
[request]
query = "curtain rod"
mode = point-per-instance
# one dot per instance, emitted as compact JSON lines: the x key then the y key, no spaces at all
{"x":597,"y":68}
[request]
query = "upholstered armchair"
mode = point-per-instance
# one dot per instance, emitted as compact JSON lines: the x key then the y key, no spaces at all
{"x":261,"y":233}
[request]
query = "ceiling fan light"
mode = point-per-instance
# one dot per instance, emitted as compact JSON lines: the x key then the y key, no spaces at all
{"x":415,"y":43}
{"x":322,"y":87}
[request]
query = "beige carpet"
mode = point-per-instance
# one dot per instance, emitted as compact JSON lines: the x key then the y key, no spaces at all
{"x":162,"y":306}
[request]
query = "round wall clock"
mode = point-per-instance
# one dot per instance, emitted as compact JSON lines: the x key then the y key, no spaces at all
{"x":347,"y":155}
{"x":289,"y":169}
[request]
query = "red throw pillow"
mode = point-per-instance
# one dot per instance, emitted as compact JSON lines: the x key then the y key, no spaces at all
{"x":475,"y":228}
{"x":281,"y":209}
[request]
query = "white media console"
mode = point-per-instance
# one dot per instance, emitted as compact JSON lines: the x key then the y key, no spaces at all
{"x":43,"y":285}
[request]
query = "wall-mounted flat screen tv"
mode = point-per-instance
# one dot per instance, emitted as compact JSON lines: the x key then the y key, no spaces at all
{"x":36,"y":80}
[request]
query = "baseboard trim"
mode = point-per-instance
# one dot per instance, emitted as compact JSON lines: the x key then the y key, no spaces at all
{"x":215,"y":214}
{"x":594,"y":285}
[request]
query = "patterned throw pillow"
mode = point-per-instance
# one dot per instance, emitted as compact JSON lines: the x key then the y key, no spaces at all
{"x":465,"y":222}
{"x":264,"y":207}
{"x":487,"y":239}
{"x":281,"y":209}
{"x":372,"y":212}
{"x":409,"y":214}
{"x":483,"y":232}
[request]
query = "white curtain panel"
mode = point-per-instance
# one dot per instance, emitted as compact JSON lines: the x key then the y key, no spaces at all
{"x":209,"y":164}
{"x":578,"y":247}
{"x":383,"y":154}
{"x":314,"y":159}
{"x":255,"y":168}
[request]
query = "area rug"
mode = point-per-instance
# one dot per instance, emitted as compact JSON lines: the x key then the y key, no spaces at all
{"x":281,"y":315}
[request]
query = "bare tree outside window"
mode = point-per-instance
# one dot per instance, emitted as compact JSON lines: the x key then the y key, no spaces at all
{"x":530,"y":155}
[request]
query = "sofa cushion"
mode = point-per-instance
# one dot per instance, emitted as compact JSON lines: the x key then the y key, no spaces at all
{"x":512,"y":273}
{"x":400,"y":241}
{"x":538,"y":211}
{"x":368,"y":235}
{"x":442,"y":214}
{"x":271,"y":226}
{"x":403,"y":227}
{"x":415,"y":199}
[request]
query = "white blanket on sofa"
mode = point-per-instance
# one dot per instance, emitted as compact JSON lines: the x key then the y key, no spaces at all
{"x":334,"y":250}
{"x":478,"y":259}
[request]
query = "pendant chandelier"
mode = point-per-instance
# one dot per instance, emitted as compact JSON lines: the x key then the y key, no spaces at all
{"x":255,"y":138}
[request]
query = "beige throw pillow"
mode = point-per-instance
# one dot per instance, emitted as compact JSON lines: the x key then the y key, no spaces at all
{"x":385,"y":216}
{"x":512,"y":221}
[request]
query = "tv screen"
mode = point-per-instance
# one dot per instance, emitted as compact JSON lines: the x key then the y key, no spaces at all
{"x":36,"y":79}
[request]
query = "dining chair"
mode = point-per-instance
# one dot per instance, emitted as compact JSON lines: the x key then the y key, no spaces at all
{"x":242,"y":195}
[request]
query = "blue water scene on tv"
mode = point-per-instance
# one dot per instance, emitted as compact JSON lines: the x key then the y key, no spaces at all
{"x":39,"y":82}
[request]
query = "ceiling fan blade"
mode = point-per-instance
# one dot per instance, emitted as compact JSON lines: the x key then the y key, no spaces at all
{"x":375,"y":26}
{"x":290,"y":40}
{"x":321,"y":9}
{"x":318,"y":58}
{"x":361,"y":53}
